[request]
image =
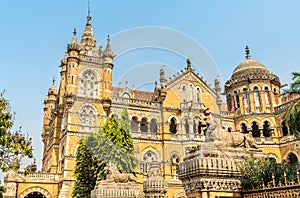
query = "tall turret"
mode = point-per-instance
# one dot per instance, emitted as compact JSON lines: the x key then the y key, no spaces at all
{"x":88,"y":41}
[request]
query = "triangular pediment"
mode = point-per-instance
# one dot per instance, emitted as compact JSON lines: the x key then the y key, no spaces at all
{"x":186,"y":77}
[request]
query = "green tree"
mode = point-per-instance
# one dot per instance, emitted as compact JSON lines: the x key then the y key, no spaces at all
{"x":11,"y":143}
{"x":2,"y":190}
{"x":85,"y":172}
{"x":111,"y":144}
{"x":125,"y":130}
{"x":256,"y":172}
{"x":292,"y":115}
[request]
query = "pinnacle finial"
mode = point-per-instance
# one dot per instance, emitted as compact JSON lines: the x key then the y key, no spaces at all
{"x":108,"y":51}
{"x":74,"y":32}
{"x":89,"y":8}
{"x":189,"y":63}
{"x":89,"y":12}
{"x":247,"y":50}
{"x":53,"y":81}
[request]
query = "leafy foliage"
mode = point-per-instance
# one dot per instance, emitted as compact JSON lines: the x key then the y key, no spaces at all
{"x":85,"y":172}
{"x":292,"y":115}
{"x":11,"y":143}
{"x":2,"y":190}
{"x":256,"y":171}
{"x":111,"y":144}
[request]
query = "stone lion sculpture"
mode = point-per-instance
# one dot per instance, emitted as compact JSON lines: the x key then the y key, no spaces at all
{"x":114,"y":176}
{"x":236,"y":139}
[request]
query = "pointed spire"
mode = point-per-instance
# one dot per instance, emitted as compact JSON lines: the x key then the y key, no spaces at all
{"x":53,"y":81}
{"x":108,"y":51}
{"x":247,"y":50}
{"x":74,"y":44}
{"x":88,"y":41}
{"x":52,"y":89}
{"x":74,"y":40}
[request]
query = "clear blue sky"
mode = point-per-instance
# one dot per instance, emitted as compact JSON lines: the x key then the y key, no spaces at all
{"x":34,"y":35}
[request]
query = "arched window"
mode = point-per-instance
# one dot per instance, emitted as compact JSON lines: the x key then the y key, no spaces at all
{"x":292,"y":159}
{"x":126,"y":95}
{"x":174,"y":159}
{"x":256,"y":99}
{"x":284,"y":129}
{"x":191,"y":89}
{"x":197,"y":125}
{"x":184,"y":93}
{"x":236,"y":100}
{"x":173,"y":126}
{"x":255,"y":129}
{"x":266,"y":129}
{"x":198,"y":95}
{"x":186,"y":126}
{"x":87,"y":118}
{"x":153,"y":125}
{"x":244,"y":128}
{"x":134,"y":124}
{"x":229,"y":129}
{"x":144,"y":125}
{"x":246,"y":102}
{"x":88,"y":84}
{"x":267,"y":99}
{"x":229,"y":103}
{"x":150,"y":156}
{"x":35,"y":195}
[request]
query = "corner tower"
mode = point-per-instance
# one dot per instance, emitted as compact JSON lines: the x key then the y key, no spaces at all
{"x":80,"y":104}
{"x":252,"y":93}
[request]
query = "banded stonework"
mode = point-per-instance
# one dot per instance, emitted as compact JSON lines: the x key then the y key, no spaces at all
{"x":181,"y":112}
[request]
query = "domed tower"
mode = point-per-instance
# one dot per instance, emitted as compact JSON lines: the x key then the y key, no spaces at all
{"x":252,"y":93}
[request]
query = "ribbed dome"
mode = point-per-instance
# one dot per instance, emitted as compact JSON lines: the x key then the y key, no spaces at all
{"x":249,"y":64}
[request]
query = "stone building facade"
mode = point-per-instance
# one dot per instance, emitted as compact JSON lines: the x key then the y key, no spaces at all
{"x":177,"y":115}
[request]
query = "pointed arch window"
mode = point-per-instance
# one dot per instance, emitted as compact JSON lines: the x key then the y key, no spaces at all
{"x":266,"y":129}
{"x":148,"y":158}
{"x":144,"y":125}
{"x":255,"y":129}
{"x":198,"y":95}
{"x":173,"y":126}
{"x":186,"y":126}
{"x":244,"y":128}
{"x":236,"y":100}
{"x":88,"y":85}
{"x":87,"y":118}
{"x":191,"y":93}
{"x":183,"y":93}
{"x":134,"y":124}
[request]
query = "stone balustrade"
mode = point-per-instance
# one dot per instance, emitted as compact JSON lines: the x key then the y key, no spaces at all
{"x":41,"y":176}
{"x":137,"y":102}
{"x":208,"y":166}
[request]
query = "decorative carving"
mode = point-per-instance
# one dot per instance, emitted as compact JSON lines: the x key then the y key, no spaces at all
{"x":114,"y":176}
{"x":236,"y":139}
